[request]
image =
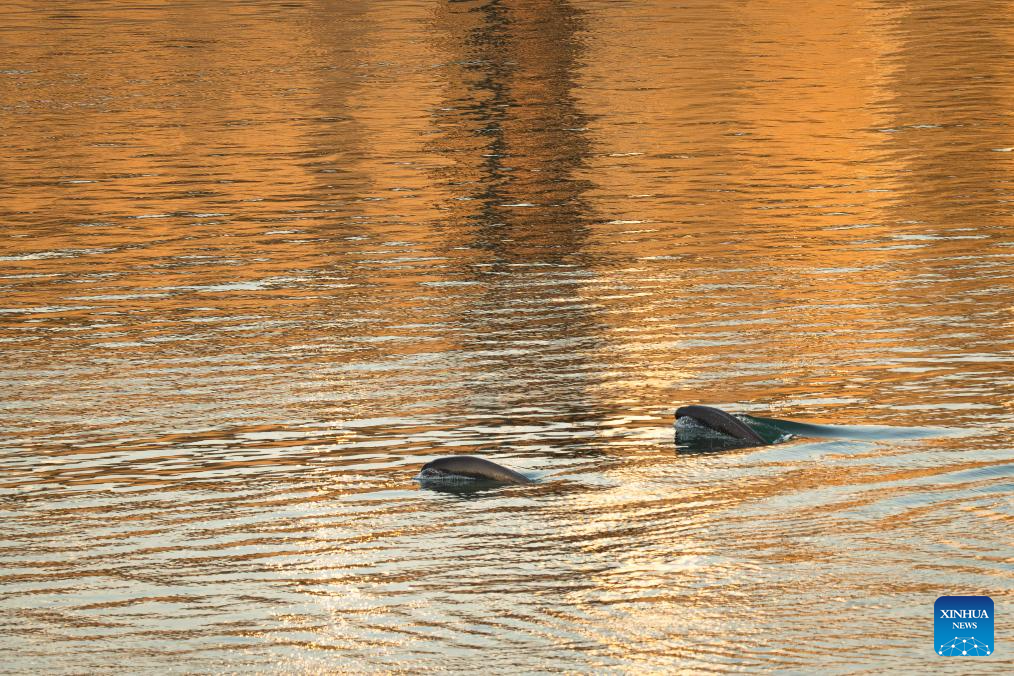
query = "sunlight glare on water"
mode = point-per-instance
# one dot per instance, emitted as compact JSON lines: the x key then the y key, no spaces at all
{"x":263,"y":260}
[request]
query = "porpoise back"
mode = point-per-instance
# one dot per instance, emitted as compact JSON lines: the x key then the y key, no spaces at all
{"x":474,"y":468}
{"x":720,"y":421}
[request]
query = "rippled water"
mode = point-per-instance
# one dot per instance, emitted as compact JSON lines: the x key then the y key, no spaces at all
{"x":260,"y":261}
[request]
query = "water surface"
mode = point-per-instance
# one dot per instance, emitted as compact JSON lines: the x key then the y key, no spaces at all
{"x":260,"y":261}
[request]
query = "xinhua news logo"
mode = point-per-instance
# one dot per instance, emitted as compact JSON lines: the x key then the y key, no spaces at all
{"x":963,"y":626}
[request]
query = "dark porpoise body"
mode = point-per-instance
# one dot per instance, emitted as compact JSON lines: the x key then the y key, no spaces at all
{"x":720,"y":421}
{"x":742,"y":430}
{"x":459,"y":467}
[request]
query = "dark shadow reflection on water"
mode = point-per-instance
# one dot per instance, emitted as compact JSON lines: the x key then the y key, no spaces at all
{"x":516,"y":142}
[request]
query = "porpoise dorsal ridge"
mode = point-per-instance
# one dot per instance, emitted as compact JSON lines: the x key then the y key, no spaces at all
{"x":720,"y":421}
{"x":469,"y":467}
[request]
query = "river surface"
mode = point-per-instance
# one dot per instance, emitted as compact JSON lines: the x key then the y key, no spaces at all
{"x":261,"y":260}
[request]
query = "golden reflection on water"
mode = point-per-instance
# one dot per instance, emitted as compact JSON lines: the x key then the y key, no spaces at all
{"x":263,"y":260}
